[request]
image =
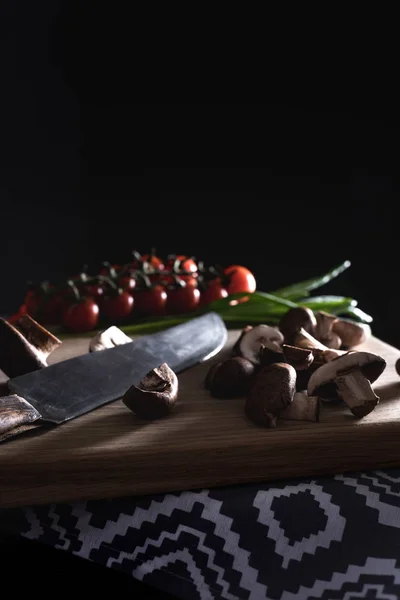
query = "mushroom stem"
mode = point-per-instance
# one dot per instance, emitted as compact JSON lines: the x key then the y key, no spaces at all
{"x":322,"y":353}
{"x":324,"y":332}
{"x":303,"y":408}
{"x":356,"y":391}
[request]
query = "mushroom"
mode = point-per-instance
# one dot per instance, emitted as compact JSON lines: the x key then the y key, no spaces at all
{"x":24,"y":346}
{"x":113,"y":336}
{"x":16,"y":412}
{"x":349,"y":377}
{"x":156,"y":394}
{"x":303,"y":408}
{"x":325,"y":333}
{"x":271,"y":392}
{"x":236,"y":345}
{"x":302,"y":359}
{"x":229,"y":378}
{"x":295,"y":319}
{"x":351,"y":332}
{"x":267,"y":356}
{"x":322,"y":353}
{"x":252,"y":339}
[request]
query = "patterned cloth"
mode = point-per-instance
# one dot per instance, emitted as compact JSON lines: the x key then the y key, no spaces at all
{"x":331,"y":538}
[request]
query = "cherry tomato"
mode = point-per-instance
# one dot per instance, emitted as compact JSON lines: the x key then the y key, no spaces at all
{"x":95,"y":290}
{"x":182,"y":299}
{"x":182,"y":262}
{"x":150,"y":301}
{"x":154,"y":261}
{"x":190,"y":280}
{"x":127,"y":282}
{"x":81,"y":316}
{"x":213,"y":291}
{"x":32,"y":301}
{"x":240,"y":279}
{"x":53,"y":308}
{"x":117,"y":306}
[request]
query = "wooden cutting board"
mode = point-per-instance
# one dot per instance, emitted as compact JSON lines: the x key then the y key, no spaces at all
{"x":205,"y":443}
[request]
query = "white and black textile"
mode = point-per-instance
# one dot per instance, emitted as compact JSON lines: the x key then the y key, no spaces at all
{"x":315,"y":539}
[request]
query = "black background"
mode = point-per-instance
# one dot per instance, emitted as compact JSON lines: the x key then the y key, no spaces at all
{"x":289,"y":188}
{"x":94,"y":162}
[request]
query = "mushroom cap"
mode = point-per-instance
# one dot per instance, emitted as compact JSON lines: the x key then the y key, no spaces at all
{"x":351,"y":332}
{"x":322,"y":381}
{"x":272,"y":391}
{"x":295,"y":319}
{"x":261,"y":335}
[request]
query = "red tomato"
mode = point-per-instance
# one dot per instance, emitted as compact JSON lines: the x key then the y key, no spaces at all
{"x":32,"y":301}
{"x":150,"y":301}
{"x":118,"y":306}
{"x":53,"y":309}
{"x":127,"y":283}
{"x":183,"y":263}
{"x":94,"y":290}
{"x":182,"y":299}
{"x":81,"y":316}
{"x":213,"y":291}
{"x":154,"y":261}
{"x":240,"y":279}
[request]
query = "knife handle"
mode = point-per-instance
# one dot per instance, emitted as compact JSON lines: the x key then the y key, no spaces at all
{"x":15,"y":412}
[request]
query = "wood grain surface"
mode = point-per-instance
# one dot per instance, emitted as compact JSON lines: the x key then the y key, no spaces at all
{"x":205,"y":443}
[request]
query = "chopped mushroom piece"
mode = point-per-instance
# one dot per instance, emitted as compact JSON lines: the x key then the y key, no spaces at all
{"x":254,"y":338}
{"x":303,"y":408}
{"x":350,"y":377}
{"x":321,"y":352}
{"x":325,"y":333}
{"x":229,"y":378}
{"x":24,"y":346}
{"x":271,"y":392}
{"x":351,"y":332}
{"x":302,"y":359}
{"x":156,"y":394}
{"x":295,"y":319}
{"x":109,"y":338}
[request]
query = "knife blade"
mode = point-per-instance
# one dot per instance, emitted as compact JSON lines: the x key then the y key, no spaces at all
{"x":68,"y":389}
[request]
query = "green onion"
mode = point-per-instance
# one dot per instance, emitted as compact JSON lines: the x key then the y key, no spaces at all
{"x":302,"y":288}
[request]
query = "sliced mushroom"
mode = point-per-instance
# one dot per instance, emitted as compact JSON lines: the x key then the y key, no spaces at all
{"x":156,"y":394}
{"x":271,"y":392}
{"x":324,"y":332}
{"x":295,"y":319}
{"x":267,"y":356}
{"x":254,"y":338}
{"x":236,"y":345}
{"x":349,"y":377}
{"x":351,"y":333}
{"x":322,"y":353}
{"x":230,"y":378}
{"x":303,"y":408}
{"x":302,"y":359}
{"x":109,"y":338}
{"x":24,"y":346}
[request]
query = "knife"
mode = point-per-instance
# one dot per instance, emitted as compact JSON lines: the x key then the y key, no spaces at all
{"x":73,"y":387}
